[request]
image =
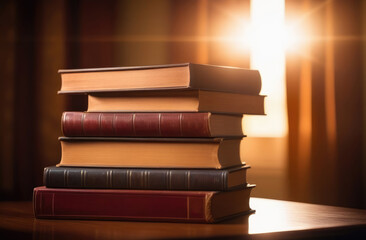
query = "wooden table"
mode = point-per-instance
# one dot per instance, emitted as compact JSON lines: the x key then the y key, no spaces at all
{"x":273,"y":219}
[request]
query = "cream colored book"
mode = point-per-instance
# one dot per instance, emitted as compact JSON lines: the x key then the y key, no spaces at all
{"x":161,"y":77}
{"x":214,"y":153}
{"x":176,"y":101}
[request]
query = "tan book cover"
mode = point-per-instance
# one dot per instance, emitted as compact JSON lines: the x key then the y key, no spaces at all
{"x":177,"y":101}
{"x":161,"y":77}
{"x":214,"y":153}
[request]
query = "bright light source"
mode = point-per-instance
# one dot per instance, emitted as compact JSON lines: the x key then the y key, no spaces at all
{"x":292,"y":38}
{"x":268,"y":40}
{"x":267,"y":29}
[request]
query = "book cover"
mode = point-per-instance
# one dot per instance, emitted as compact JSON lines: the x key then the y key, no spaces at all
{"x":177,"y":101}
{"x":140,"y":205}
{"x":79,"y":124}
{"x":214,"y":153}
{"x":158,"y":77}
{"x":147,"y":179}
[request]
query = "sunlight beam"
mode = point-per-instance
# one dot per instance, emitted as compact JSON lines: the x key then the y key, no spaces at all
{"x":268,"y":40}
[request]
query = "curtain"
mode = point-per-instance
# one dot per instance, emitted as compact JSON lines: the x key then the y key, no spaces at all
{"x":325,"y":103}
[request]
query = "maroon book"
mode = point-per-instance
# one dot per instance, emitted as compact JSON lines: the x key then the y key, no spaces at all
{"x":140,"y":205}
{"x":151,"y":124}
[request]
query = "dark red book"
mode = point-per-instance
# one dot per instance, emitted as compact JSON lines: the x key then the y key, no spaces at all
{"x":140,"y":205}
{"x":77,"y":124}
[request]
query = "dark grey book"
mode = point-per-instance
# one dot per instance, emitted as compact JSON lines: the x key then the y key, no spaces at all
{"x":147,"y":179}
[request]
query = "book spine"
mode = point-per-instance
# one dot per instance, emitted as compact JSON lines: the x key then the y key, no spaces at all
{"x":136,"y":124}
{"x":120,"y":205}
{"x":148,"y":179}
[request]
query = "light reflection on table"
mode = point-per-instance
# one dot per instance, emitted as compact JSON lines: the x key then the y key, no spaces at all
{"x":271,"y":217}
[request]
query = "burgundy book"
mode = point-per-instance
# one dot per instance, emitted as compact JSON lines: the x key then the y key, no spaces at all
{"x":151,"y":124}
{"x":145,"y":178}
{"x":140,"y":205}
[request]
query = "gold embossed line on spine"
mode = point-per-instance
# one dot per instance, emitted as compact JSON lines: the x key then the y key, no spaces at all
{"x":207,"y":122}
{"x":224,"y":180}
{"x":83,"y":178}
{"x":108,"y":179}
{"x":66,"y":174}
{"x":100,"y":124}
{"x":114,"y":119}
{"x":142,"y":179}
{"x":129,"y":178}
{"x":167,"y":179}
{"x":170,"y":179}
{"x":159,"y":124}
{"x":208,"y":208}
{"x":180,"y":124}
{"x":82,"y":123}
{"x":63,"y":121}
{"x":147,"y":176}
{"x":188,"y":179}
{"x":133,"y":124}
{"x":111,"y":178}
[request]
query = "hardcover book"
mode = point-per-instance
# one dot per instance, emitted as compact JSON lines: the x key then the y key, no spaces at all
{"x":148,"y":179}
{"x":174,"y":76}
{"x":140,"y":205}
{"x":79,"y":124}
{"x":213,"y":153}
{"x":176,"y":101}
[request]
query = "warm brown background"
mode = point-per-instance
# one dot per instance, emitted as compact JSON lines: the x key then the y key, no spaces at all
{"x":325,"y":88}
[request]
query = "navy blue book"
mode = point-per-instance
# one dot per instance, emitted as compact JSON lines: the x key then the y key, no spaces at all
{"x":147,"y":179}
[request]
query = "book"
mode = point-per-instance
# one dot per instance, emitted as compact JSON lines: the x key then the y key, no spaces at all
{"x":140,"y":205}
{"x":173,"y":76}
{"x":176,"y":101}
{"x":78,"y":124}
{"x":147,"y":179}
{"x":213,"y":153}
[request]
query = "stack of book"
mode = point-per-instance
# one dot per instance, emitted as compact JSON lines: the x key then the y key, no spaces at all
{"x":157,"y":143}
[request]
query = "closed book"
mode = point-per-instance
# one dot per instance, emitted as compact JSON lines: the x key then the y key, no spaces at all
{"x":215,"y":153}
{"x":173,"y":76}
{"x":176,"y":101}
{"x":140,"y":205}
{"x":150,"y":124}
{"x":147,"y":179}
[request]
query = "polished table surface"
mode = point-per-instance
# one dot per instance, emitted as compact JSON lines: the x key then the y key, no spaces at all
{"x":272,"y":219}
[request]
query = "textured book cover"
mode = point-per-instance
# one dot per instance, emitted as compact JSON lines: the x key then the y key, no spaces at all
{"x":161,"y":77}
{"x":177,"y":101}
{"x":140,"y":205}
{"x":147,"y":179}
{"x":214,"y":153}
{"x":79,"y":124}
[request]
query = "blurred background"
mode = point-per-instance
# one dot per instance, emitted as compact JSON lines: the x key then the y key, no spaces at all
{"x":309,"y":147}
